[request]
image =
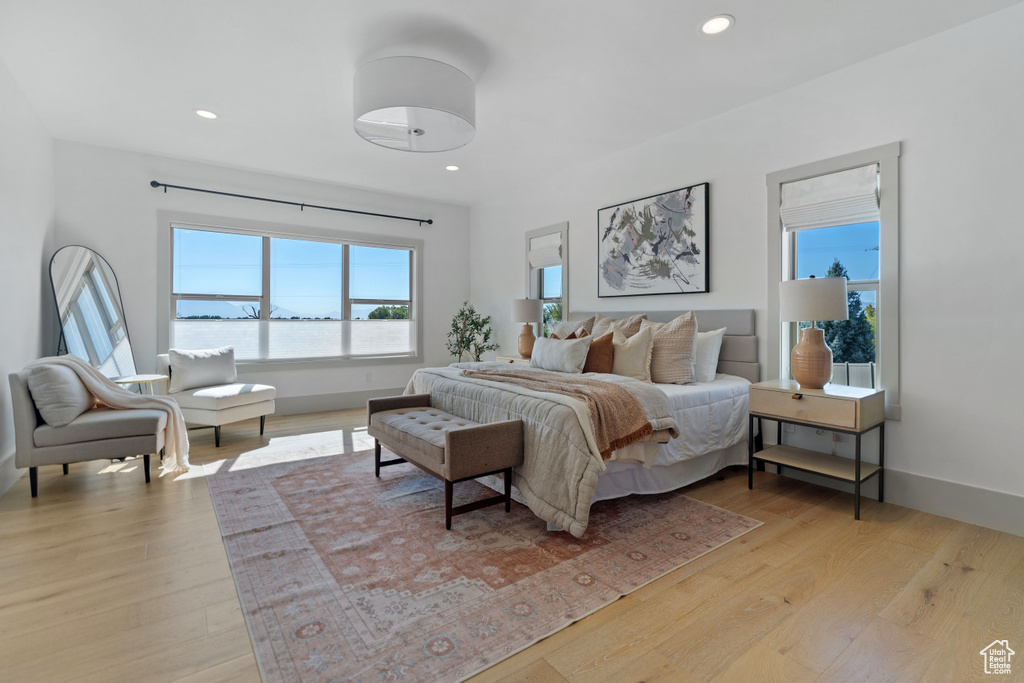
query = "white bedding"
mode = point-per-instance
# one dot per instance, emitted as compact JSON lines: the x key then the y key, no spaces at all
{"x":710,"y":416}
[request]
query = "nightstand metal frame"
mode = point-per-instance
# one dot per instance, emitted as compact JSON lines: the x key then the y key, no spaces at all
{"x":857,"y":434}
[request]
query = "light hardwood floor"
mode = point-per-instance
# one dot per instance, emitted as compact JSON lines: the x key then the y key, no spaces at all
{"x":103,"y":578}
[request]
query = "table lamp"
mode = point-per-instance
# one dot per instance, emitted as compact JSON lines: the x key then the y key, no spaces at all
{"x":812,"y":299}
{"x":527,"y":311}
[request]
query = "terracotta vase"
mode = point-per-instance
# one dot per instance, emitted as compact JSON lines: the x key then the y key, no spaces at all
{"x":526,"y":340}
{"x":811,"y":362}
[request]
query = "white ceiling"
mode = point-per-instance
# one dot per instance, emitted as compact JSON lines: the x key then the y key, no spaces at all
{"x":559,"y":82}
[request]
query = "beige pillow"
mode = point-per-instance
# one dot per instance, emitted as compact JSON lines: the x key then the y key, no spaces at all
{"x":58,"y":393}
{"x":201,"y":368}
{"x":563,"y":330}
{"x":629,"y":326}
{"x":560,"y":355}
{"x":632,"y":356}
{"x":672,"y":358}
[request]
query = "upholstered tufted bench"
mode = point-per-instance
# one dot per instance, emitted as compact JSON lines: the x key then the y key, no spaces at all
{"x":449,"y":447}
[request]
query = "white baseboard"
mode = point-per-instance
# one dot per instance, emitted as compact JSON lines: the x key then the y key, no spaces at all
{"x":8,"y":472}
{"x":971,"y":504}
{"x":297,"y":405}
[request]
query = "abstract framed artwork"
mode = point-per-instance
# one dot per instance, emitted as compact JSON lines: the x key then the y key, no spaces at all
{"x":654,"y":245}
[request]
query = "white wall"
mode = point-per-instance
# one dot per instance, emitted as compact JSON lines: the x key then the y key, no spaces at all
{"x":104,"y":201}
{"x":26,"y":236}
{"x":955,"y":102}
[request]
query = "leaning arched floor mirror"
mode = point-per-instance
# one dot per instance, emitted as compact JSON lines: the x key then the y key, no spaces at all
{"x":92,"y":324}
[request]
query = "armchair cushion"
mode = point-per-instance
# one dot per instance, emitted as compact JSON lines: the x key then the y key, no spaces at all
{"x":99,"y":424}
{"x":201,"y":368}
{"x":59,"y":394}
{"x":224,"y":396}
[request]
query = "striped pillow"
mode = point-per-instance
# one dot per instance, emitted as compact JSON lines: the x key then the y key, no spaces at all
{"x":564,"y":329}
{"x":629,"y":326}
{"x":672,"y":359}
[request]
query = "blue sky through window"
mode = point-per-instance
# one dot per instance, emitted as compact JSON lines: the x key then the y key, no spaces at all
{"x":217,"y":263}
{"x":856,"y":247}
{"x":305,"y":275}
{"x":305,"y":279}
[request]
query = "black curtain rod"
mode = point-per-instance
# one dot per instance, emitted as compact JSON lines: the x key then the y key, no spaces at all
{"x":302,"y":206}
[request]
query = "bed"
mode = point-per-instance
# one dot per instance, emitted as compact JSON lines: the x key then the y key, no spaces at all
{"x":561,"y":476}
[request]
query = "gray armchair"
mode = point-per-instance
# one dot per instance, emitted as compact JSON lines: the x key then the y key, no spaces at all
{"x":97,"y":434}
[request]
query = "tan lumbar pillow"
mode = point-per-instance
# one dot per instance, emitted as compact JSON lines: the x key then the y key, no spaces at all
{"x":674,"y":345}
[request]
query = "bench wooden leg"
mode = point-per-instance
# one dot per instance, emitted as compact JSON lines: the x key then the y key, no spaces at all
{"x":378,"y":463}
{"x":508,"y":489}
{"x":448,"y":504}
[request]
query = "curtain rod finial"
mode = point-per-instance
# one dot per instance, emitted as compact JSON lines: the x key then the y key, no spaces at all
{"x":153,"y":183}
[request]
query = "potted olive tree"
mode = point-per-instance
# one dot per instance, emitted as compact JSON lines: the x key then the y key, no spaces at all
{"x":470,"y":335}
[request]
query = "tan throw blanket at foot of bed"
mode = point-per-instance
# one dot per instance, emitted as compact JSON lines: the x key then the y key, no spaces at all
{"x":617,"y":418}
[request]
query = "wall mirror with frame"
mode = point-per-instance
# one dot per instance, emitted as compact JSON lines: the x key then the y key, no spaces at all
{"x":88,"y":300}
{"x":547,"y":271}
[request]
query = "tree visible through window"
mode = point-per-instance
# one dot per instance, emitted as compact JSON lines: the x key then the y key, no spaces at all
{"x":849,"y":251}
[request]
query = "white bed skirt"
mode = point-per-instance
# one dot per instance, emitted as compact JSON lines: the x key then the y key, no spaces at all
{"x":624,"y":479}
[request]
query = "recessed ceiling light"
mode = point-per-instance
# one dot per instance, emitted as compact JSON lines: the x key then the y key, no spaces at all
{"x":205,"y":114}
{"x":717,"y":24}
{"x":451,"y":168}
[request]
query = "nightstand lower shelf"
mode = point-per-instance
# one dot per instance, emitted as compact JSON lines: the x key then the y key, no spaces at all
{"x":824,"y":464}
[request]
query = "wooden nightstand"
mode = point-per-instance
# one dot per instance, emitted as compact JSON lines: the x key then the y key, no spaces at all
{"x":848,"y":410}
{"x":517,"y":360}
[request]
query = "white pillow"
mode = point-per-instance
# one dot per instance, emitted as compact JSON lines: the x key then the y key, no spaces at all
{"x":633,"y":356}
{"x":709,"y":344}
{"x":560,"y":355}
{"x":58,"y":393}
{"x":202,"y":368}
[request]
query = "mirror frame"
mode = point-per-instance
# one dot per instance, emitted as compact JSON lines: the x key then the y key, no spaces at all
{"x":62,"y":347}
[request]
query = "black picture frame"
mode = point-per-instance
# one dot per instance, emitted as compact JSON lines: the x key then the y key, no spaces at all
{"x":655,"y":245}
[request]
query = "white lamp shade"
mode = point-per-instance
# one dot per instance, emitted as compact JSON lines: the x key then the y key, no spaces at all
{"x":414,"y":104}
{"x":527,"y":310}
{"x":820,"y":298}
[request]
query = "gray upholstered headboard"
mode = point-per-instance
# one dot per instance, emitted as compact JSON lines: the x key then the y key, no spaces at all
{"x":739,"y":346}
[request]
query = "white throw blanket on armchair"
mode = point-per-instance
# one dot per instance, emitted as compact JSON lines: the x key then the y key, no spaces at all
{"x":109,"y":394}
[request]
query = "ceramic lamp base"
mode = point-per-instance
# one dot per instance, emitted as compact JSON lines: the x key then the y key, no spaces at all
{"x":811,"y":361}
{"x":526,"y":340}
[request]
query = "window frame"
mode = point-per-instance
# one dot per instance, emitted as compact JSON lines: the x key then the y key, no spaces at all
{"x":168,"y":221}
{"x":535,"y":276}
{"x":781,"y":263}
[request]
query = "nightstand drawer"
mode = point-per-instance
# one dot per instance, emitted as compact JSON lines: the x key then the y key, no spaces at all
{"x":822,"y":410}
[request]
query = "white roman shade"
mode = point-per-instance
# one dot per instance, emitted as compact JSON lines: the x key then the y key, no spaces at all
{"x":842,"y":198}
{"x":546,"y":251}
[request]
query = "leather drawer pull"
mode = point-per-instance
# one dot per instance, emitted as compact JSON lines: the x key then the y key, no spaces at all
{"x":798,"y":396}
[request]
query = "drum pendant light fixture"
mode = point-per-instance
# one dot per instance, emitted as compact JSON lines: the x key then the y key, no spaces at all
{"x":414,"y":104}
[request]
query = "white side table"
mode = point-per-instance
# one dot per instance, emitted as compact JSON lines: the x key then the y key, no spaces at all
{"x":147,"y":383}
{"x":516,"y":360}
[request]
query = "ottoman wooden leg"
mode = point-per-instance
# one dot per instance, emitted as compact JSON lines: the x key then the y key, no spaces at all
{"x":508,"y":489}
{"x":376,"y":457}
{"x":448,"y":504}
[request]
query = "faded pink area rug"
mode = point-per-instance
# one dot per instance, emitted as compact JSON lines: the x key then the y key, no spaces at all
{"x":346,"y":577}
